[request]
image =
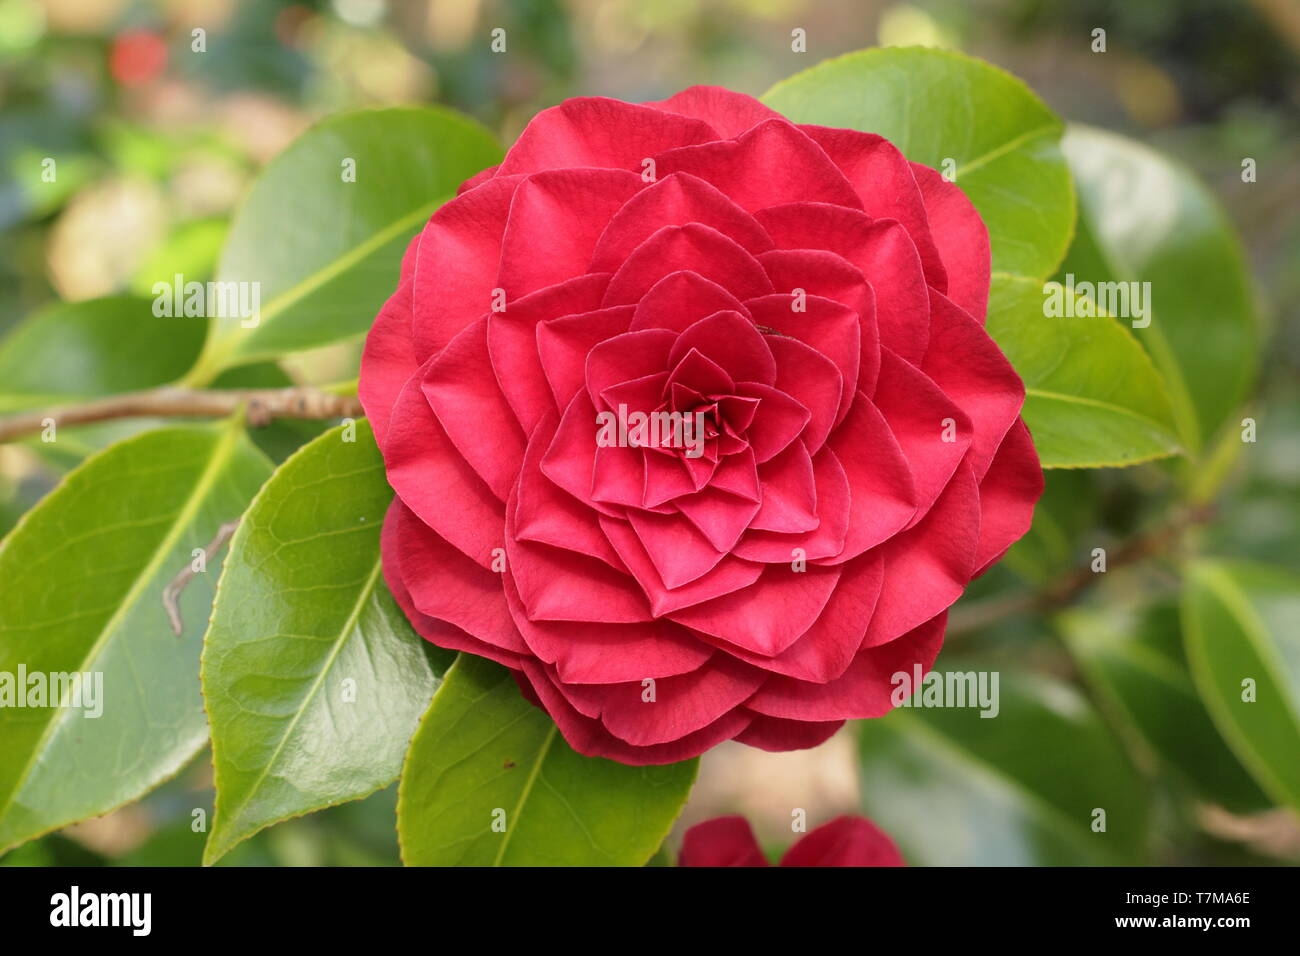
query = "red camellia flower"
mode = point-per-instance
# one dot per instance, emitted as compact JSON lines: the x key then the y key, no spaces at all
{"x":694,"y":424}
{"x":845,"y":841}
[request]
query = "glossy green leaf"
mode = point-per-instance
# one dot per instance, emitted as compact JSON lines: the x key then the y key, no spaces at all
{"x":78,"y":350}
{"x":1239,"y":625}
{"x":1142,"y":218}
{"x":1092,"y":396}
{"x":484,"y":755}
{"x":1137,"y":665}
{"x":1018,"y":789}
{"x":314,"y":680}
{"x":83,"y":577}
{"x":935,"y":105}
{"x":326,"y":251}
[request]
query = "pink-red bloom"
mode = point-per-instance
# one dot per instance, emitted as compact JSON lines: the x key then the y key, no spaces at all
{"x":845,"y":841}
{"x":811,"y":297}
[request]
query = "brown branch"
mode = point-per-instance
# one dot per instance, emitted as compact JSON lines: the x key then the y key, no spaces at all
{"x":264,"y":405}
{"x":172,"y":592}
{"x":1066,"y":589}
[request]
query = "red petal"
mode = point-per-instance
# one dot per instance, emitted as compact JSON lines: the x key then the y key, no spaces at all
{"x":731,"y":574}
{"x":731,"y":340}
{"x":880,"y":248}
{"x":778,"y":735}
{"x":432,"y":629}
{"x":679,"y":300}
{"x":812,"y":380}
{"x":864,"y":690}
{"x":918,"y":413}
{"x":600,"y":132}
{"x":789,"y":493}
{"x":478,"y":179}
{"x":729,"y":113}
{"x":778,"y":420}
{"x":771,"y":163}
{"x":588,"y":736}
{"x":962,"y":238}
{"x":824,"y":651}
{"x":882,"y":496}
{"x":389,"y":356}
{"x":767,"y":618}
{"x":624,"y":358}
{"x":681,"y":705}
{"x":674,"y":201}
{"x":721,"y":515}
{"x":699,"y":248}
{"x":1008,"y":491}
{"x":679,"y":551}
{"x":558,"y":585}
{"x":845,"y":841}
{"x":548,"y":515}
{"x":428,"y":473}
{"x":456,"y":265}
{"x":834,"y":330}
{"x":928,"y":566}
{"x":564,"y":343}
{"x":514,"y":344}
{"x":883,"y":180}
{"x":824,"y":541}
{"x":555,"y":219}
{"x":600,"y":653}
{"x":462,"y":390}
{"x":445,"y":584}
{"x":973,"y":372}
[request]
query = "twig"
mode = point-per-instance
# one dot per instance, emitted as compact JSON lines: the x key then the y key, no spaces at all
{"x":1066,"y":589}
{"x":264,"y":405}
{"x":172,"y":592}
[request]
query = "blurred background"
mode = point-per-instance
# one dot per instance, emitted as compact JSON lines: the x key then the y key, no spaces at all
{"x":156,"y":141}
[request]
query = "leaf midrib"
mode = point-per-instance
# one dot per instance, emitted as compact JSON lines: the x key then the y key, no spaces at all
{"x":320,"y":277}
{"x":345,"y":634}
{"x":542,"y":751}
{"x":1002,"y":149}
{"x":222,"y":451}
{"x":1186,"y":416}
{"x":1097,"y":403}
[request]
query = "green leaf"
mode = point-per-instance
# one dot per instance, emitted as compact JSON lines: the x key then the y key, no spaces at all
{"x":1018,"y":789}
{"x":1143,"y":218}
{"x":935,"y":105}
{"x":1239,"y":626}
{"x":313,"y":678}
{"x":484,"y":754}
{"x":78,"y":350}
{"x":1092,"y":396}
{"x":325,"y":251}
{"x":190,"y":249}
{"x":83,"y":574}
{"x":1136,"y":663}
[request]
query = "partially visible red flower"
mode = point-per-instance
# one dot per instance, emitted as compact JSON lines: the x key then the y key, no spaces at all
{"x":845,"y":841}
{"x":137,"y":57}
